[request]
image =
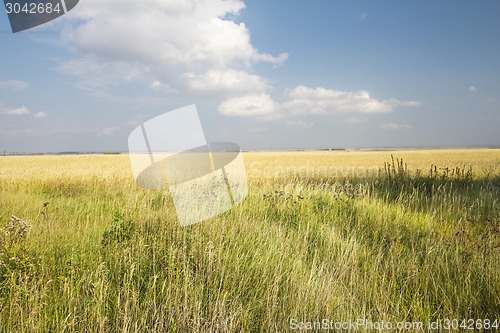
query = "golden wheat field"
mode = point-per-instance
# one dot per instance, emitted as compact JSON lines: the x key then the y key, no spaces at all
{"x":408,"y":238}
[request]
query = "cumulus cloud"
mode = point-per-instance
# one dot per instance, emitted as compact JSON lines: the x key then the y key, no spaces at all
{"x":304,"y":101}
{"x":395,"y":126}
{"x":169,"y":32}
{"x":472,"y":88}
{"x":229,"y":80}
{"x":22,"y":111}
{"x":322,"y":101}
{"x":261,"y":106}
{"x":192,"y":44}
{"x":196,"y":47}
{"x":13,"y":85}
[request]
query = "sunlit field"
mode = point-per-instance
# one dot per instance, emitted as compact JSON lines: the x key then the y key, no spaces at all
{"x":393,"y":236}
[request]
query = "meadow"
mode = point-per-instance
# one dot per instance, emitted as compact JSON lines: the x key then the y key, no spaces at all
{"x":394,"y":236}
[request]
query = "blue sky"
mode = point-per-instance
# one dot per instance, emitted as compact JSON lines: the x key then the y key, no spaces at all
{"x":263,"y":74}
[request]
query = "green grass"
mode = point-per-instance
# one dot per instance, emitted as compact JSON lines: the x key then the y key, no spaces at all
{"x":104,"y":255}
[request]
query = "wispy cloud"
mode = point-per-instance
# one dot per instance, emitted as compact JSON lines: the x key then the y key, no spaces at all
{"x":20,"y":132}
{"x":14,"y":85}
{"x":109,"y":131}
{"x":472,"y":88}
{"x":395,"y":126}
{"x":22,"y":111}
{"x":40,"y":115}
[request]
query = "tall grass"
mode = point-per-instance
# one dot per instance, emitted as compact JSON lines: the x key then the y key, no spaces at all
{"x":102,"y":255}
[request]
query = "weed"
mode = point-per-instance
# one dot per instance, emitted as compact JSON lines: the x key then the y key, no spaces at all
{"x":14,"y":256}
{"x":120,"y":230}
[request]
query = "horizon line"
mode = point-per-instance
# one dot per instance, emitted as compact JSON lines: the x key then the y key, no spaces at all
{"x":332,"y":149}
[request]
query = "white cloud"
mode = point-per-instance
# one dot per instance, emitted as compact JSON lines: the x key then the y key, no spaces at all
{"x":158,"y":86}
{"x":194,"y":32}
{"x":40,"y":115}
{"x":394,"y":126}
{"x":229,"y":80}
{"x":303,"y":101}
{"x":472,"y":88}
{"x":192,"y":47}
{"x":193,"y":44}
{"x":322,"y":101}
{"x":14,"y":85}
{"x":261,"y":106}
{"x":22,"y":111}
{"x":395,"y":103}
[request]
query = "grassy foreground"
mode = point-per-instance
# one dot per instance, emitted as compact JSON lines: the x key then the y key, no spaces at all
{"x":321,"y":235}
